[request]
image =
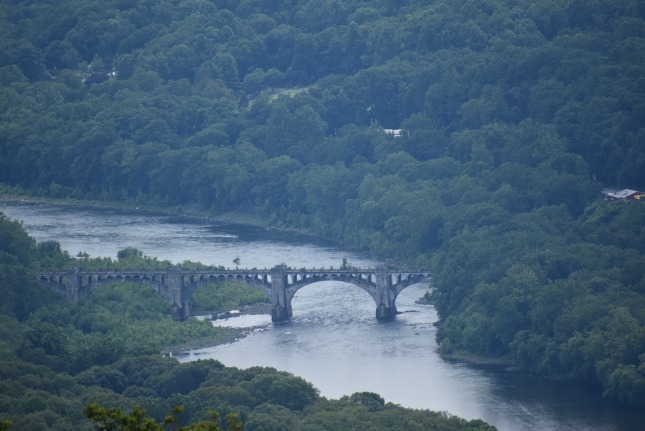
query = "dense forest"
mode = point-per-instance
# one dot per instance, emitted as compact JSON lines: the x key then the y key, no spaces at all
{"x":469,"y":138}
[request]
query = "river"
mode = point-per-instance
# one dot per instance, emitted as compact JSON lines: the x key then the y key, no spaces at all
{"x":333,"y":339}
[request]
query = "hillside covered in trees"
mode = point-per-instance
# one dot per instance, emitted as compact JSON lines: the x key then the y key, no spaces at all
{"x":471,"y":138}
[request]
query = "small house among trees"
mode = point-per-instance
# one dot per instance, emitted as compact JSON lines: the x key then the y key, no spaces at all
{"x":625,"y":194}
{"x":394,"y":132}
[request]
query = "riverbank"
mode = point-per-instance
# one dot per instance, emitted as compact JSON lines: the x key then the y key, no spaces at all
{"x":481,"y":361}
{"x":230,"y":335}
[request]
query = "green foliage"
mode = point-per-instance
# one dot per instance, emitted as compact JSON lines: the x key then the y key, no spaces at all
{"x":369,"y":400}
{"x":137,"y":316}
{"x":51,"y":255}
{"x":216,"y":296}
{"x":129,"y":253}
{"x":337,"y":414}
{"x":48,"y":337}
{"x":20,"y":292}
{"x":282,"y":389}
{"x":113,"y":419}
{"x":16,"y":245}
{"x":181,"y":380}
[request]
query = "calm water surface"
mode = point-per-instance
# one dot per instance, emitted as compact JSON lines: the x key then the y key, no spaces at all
{"x":333,"y":339}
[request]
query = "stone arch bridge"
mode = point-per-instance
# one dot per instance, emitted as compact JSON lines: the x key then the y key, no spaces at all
{"x":279,"y":284}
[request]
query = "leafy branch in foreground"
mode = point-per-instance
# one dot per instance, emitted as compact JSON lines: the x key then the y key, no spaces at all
{"x":113,"y":419}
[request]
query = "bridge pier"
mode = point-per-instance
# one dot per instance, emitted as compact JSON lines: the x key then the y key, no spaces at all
{"x":73,"y":286}
{"x":385,"y":296}
{"x":384,"y":314}
{"x":280,"y":303}
{"x":176,"y":295}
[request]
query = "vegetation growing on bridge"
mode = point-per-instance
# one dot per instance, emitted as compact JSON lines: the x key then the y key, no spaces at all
{"x":510,"y":118}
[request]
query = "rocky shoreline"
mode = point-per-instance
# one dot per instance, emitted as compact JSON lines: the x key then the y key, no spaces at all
{"x":245,"y":310}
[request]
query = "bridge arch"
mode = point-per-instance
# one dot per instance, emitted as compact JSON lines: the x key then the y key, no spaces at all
{"x":95,"y":281}
{"x":360,"y":283}
{"x":56,"y":282}
{"x":259,"y":280}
